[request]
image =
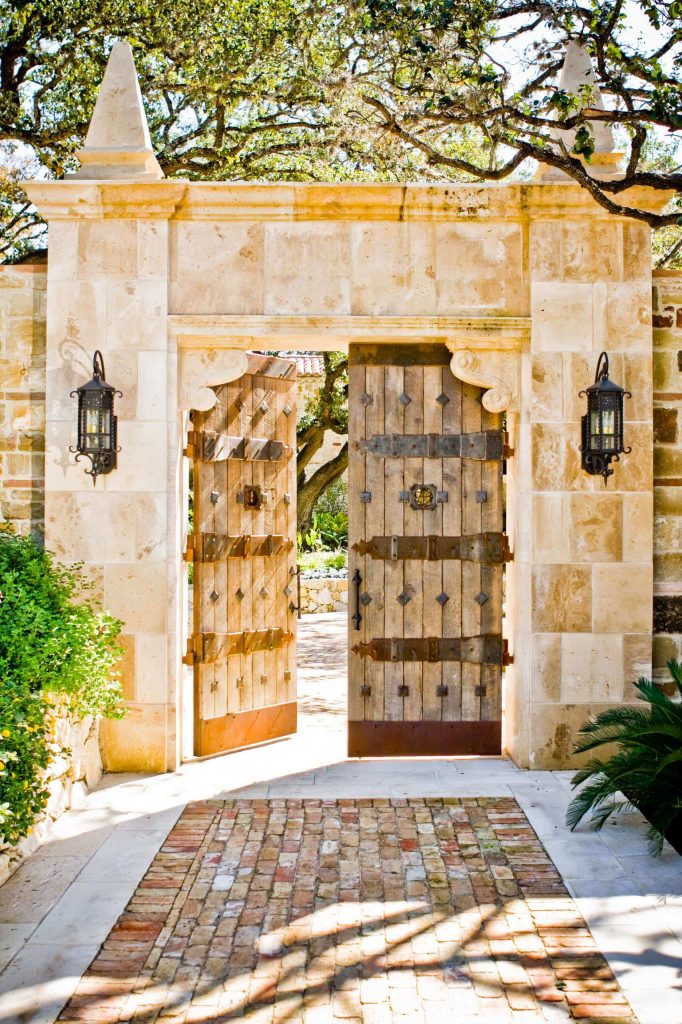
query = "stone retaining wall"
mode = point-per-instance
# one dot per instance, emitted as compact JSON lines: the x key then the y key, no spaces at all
{"x":77,"y":767}
{"x":326,"y":594}
{"x":667,"y":308}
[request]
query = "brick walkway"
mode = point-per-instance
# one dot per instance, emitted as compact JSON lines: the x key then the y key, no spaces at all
{"x":351,"y":910}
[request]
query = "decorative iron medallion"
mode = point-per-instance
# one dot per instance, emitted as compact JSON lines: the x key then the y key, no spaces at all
{"x":422,"y":497}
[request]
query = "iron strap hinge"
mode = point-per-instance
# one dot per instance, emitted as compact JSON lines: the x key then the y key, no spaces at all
{"x":489,"y":649}
{"x":485,"y":446}
{"x":211,"y":547}
{"x":489,"y":548}
{"x":206,"y":648}
{"x":209,"y":446}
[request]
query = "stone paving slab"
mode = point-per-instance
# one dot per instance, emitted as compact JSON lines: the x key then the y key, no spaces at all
{"x":373,"y":910}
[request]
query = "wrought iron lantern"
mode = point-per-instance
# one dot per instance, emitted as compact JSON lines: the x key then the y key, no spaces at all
{"x":602,"y":426}
{"x":97,"y":422}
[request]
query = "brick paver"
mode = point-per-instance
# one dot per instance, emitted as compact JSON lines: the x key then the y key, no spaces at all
{"x":380,"y":911}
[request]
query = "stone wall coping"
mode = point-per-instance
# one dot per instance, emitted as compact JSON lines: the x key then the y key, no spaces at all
{"x":24,"y":268}
{"x":345,"y":201}
{"x":664,"y":272}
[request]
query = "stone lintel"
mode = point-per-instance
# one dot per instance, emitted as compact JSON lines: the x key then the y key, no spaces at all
{"x":333,"y":333}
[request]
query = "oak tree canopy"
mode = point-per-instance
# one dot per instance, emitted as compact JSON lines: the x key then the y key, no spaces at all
{"x":397,"y":90}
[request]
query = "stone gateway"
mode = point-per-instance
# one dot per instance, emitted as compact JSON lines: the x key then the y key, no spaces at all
{"x":513,"y":292}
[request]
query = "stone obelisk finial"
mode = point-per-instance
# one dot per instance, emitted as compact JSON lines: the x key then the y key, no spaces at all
{"x":578,"y":78}
{"x":118,"y":144}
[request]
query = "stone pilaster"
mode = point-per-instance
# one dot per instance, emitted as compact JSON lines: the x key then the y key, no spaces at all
{"x":587,"y":610}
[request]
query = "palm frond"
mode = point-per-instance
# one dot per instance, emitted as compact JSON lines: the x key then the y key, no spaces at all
{"x":645,"y":768}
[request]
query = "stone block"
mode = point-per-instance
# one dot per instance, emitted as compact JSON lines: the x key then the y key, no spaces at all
{"x":554,"y":730}
{"x":668,"y":567}
{"x":635,"y":472}
{"x":151,"y":513}
{"x":92,"y":760}
{"x":622,"y":316}
{"x":306,"y":268}
{"x":138,"y":742}
{"x":137,"y":594}
{"x":665,"y":426}
{"x":562,"y":598}
{"x":556,"y":458}
{"x":622,"y":598}
{"x":393,"y":269}
{"x":107,"y":248}
{"x":545,"y":250}
{"x":479,"y":267}
{"x":666,"y":369}
{"x":638,"y":524}
{"x":152,"y":385}
{"x":217,"y":268}
{"x":152,"y":249}
{"x":591,"y":667}
{"x":636,"y":251}
{"x":76,"y":316}
{"x":549,"y":531}
{"x":636,"y":661}
{"x":151,"y":677}
{"x":668,"y":613}
{"x":136,"y":316}
{"x":547,"y":383}
{"x":595,"y":527}
{"x":667,"y":462}
{"x":668,"y":500}
{"x":142,"y":460}
{"x":664,"y":649}
{"x":592,"y":250}
{"x":637,"y":378}
{"x":126,"y":665}
{"x":562,"y":317}
{"x":545,"y":683}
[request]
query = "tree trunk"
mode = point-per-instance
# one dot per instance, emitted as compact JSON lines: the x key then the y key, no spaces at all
{"x":310,"y":490}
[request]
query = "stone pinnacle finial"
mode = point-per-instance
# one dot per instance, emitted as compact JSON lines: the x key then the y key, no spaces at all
{"x":118,"y":144}
{"x":577,"y":73}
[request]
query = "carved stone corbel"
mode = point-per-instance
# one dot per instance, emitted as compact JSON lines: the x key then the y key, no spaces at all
{"x":498,"y":372}
{"x":202,"y":370}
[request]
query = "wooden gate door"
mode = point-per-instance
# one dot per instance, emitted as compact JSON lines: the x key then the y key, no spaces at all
{"x":243,"y":549}
{"x":426,"y":507}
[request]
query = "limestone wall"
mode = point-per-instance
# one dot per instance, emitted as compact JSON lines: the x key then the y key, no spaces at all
{"x":22,"y":397}
{"x":77,"y":767}
{"x":667,"y":311}
{"x":324,"y":594}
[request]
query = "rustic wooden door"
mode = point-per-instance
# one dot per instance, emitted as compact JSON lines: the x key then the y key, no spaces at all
{"x":243,"y":549}
{"x":426,"y":557}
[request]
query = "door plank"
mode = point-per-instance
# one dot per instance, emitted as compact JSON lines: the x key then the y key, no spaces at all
{"x":432,"y":614}
{"x":394,"y":482}
{"x":413,"y":525}
{"x":373,"y":572}
{"x":471,"y":571}
{"x":451,"y":710}
{"x":359,"y":707}
{"x":231,"y":612}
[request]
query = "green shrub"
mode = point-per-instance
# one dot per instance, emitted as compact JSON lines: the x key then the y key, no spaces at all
{"x":646,"y":768}
{"x":323,"y":559}
{"x":332,"y":528}
{"x":54,"y":644}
